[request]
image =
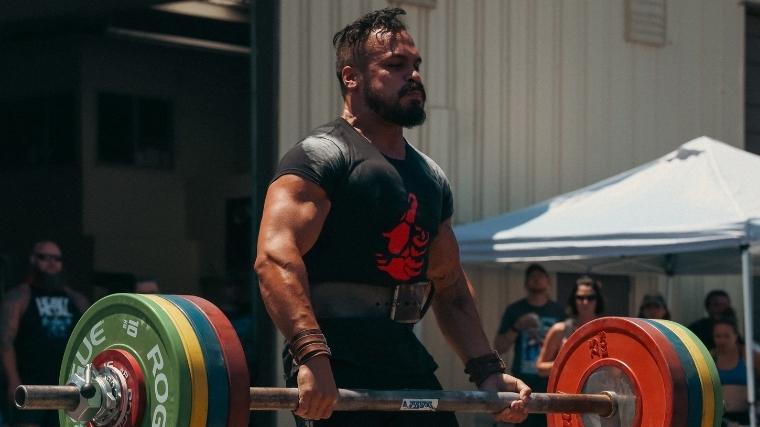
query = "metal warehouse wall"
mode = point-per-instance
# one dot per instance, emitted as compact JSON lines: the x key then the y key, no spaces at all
{"x":528,"y":99}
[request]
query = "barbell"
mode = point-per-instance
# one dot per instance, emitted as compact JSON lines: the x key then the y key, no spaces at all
{"x":148,"y":360}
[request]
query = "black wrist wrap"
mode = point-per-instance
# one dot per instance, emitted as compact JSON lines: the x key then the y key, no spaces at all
{"x":482,"y":367}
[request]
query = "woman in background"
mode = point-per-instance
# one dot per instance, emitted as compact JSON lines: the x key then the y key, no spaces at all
{"x":584,"y":304}
{"x":732,"y":369}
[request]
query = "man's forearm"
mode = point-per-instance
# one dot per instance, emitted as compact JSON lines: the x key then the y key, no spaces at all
{"x":460,"y":322}
{"x":284,"y":290}
{"x":504,"y":342}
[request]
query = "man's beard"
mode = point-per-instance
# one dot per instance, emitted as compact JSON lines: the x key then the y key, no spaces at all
{"x":49,"y":281}
{"x":408,"y":117}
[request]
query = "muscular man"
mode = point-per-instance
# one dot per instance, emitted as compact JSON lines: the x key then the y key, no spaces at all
{"x":523,"y":326}
{"x":37,"y":318}
{"x":356,"y":240}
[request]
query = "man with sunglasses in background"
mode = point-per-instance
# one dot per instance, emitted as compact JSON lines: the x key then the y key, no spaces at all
{"x":37,"y":318}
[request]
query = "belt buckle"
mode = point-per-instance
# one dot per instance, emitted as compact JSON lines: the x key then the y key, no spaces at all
{"x":409,"y":301}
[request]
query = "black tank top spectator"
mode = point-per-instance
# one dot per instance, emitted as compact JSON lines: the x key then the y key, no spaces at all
{"x":37,"y":318}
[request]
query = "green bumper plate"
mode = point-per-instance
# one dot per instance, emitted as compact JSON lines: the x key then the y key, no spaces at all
{"x":133,"y":323}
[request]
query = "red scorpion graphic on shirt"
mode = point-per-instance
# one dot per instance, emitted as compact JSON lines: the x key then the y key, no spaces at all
{"x":407,"y":245}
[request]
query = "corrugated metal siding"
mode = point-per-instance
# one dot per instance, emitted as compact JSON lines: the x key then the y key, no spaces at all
{"x":533,"y":98}
{"x":529,"y":99}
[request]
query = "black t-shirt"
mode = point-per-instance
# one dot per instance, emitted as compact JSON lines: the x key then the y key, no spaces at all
{"x":384,"y":214}
{"x":43,"y":332}
{"x":703,"y":329}
{"x":529,"y":340}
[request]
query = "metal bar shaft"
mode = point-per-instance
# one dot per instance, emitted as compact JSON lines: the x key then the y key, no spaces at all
{"x":269,"y":399}
{"x":46,"y":397}
{"x":266,"y":399}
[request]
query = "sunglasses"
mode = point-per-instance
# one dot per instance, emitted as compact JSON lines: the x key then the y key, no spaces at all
{"x":48,"y":257}
{"x":589,"y":298}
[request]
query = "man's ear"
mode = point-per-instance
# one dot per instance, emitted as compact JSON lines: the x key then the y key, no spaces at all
{"x":350,"y":76}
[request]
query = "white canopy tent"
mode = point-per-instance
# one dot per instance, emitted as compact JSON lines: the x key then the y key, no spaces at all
{"x":695,"y":210}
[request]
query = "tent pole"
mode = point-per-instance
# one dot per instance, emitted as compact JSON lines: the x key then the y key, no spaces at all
{"x":669,"y":290}
{"x":748,"y":333}
{"x":669,"y":281}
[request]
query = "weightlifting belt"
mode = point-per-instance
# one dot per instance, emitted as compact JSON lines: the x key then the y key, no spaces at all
{"x":405,"y":303}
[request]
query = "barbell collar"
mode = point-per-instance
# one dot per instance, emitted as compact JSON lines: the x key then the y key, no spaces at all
{"x":603,"y":404}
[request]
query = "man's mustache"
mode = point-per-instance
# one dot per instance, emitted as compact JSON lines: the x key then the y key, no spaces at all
{"x":412,"y":86}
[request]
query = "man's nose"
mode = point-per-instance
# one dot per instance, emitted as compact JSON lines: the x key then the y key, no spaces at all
{"x":416,"y":76}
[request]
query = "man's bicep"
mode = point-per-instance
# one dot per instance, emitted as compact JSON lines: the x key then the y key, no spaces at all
{"x":294,"y":213}
{"x":10,"y":314}
{"x":444,"y":266}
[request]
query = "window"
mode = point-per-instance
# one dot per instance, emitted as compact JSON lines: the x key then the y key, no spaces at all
{"x":37,"y":131}
{"x":135,"y":131}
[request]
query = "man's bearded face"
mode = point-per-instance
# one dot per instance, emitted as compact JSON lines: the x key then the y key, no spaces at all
{"x":393,"y":110}
{"x":47,"y":264}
